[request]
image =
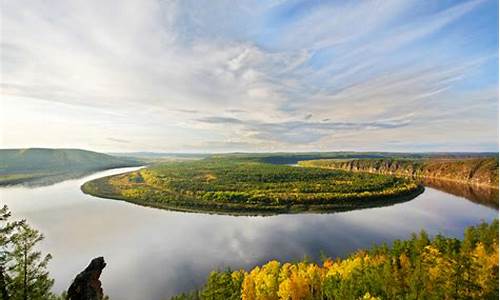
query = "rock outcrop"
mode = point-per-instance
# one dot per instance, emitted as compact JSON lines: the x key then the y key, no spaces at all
{"x":87,"y":285}
{"x":475,"y":171}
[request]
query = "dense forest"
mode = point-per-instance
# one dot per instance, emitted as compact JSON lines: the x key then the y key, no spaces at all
{"x":37,"y":164}
{"x":295,"y":157}
{"x":418,"y":268}
{"x":478,"y":171}
{"x":246,"y":186}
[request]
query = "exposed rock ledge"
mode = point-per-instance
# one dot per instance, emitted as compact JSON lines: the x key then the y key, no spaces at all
{"x":87,"y":285}
{"x":479,"y":172}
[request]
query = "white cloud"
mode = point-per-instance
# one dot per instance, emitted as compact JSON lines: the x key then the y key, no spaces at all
{"x":146,"y":72}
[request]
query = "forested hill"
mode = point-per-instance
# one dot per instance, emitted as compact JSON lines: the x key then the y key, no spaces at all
{"x":477,"y":171}
{"x":20,"y":165}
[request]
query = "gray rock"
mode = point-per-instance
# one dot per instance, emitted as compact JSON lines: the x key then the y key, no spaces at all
{"x":87,"y":285}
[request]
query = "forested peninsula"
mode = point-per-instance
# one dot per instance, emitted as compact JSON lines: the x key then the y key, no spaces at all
{"x":240,"y":186}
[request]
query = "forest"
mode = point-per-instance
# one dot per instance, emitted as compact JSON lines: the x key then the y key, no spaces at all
{"x":242,"y":186}
{"x":294,"y":157}
{"x":420,"y":267}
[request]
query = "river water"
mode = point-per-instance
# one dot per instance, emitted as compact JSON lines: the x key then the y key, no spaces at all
{"x":154,"y":254}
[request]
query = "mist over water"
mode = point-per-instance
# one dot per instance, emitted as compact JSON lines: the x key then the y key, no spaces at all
{"x":154,"y":254}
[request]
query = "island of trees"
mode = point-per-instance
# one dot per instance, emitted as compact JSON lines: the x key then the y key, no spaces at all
{"x":244,"y":186}
{"x":417,"y":268}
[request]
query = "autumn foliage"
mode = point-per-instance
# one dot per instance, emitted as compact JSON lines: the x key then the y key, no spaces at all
{"x":417,"y":268}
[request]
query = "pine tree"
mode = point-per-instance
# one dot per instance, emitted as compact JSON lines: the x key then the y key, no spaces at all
{"x":30,"y":279}
{"x":23,"y":269}
{"x":6,"y":231}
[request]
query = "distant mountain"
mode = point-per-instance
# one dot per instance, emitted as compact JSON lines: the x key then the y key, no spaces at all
{"x":295,"y":157}
{"x":22,"y":165}
{"x":159,"y":155}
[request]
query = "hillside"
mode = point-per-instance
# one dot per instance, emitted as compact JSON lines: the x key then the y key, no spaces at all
{"x":24,"y":165}
{"x":476,"y":171}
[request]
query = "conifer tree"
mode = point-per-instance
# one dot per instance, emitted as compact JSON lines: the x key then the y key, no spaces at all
{"x":23,"y":269}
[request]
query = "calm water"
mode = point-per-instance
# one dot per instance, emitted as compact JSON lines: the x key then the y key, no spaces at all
{"x":153,"y":254}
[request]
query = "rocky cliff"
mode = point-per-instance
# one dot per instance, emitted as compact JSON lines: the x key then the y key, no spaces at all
{"x":87,"y":285}
{"x":476,"y":171}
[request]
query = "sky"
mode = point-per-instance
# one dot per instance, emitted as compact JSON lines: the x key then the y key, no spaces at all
{"x":253,"y":76}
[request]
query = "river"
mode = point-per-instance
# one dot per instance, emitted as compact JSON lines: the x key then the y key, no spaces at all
{"x":154,"y":254}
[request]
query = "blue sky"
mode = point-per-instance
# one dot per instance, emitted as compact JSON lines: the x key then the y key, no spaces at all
{"x":218,"y":76}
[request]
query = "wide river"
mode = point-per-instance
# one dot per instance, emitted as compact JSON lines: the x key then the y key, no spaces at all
{"x":154,"y":254}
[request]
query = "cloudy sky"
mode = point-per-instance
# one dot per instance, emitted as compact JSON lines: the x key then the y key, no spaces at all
{"x":214,"y":76}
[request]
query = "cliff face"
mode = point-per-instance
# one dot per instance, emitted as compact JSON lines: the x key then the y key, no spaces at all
{"x":474,"y":171}
{"x":480,"y":171}
{"x":87,"y":285}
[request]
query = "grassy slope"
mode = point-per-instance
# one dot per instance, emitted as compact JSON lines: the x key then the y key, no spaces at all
{"x":235,"y":186}
{"x":21,"y":165}
{"x":477,"y":171}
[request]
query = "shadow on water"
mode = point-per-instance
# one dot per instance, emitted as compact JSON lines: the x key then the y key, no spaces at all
{"x":47,"y":180}
{"x":477,"y":194}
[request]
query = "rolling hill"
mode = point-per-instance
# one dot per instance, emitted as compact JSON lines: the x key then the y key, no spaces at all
{"x":25,"y":165}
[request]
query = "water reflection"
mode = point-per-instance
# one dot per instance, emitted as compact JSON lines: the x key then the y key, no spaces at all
{"x":153,"y":254}
{"x":45,"y":180}
{"x":482,"y":195}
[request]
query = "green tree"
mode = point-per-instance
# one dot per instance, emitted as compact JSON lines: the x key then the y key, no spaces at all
{"x":29,"y":279}
{"x":223,"y":285}
{"x":6,"y":231}
{"x":23,"y":269}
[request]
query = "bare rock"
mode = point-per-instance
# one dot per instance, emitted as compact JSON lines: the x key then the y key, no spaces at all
{"x":87,"y":285}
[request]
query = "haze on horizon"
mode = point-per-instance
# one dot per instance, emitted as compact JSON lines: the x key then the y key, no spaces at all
{"x":217,"y":76}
